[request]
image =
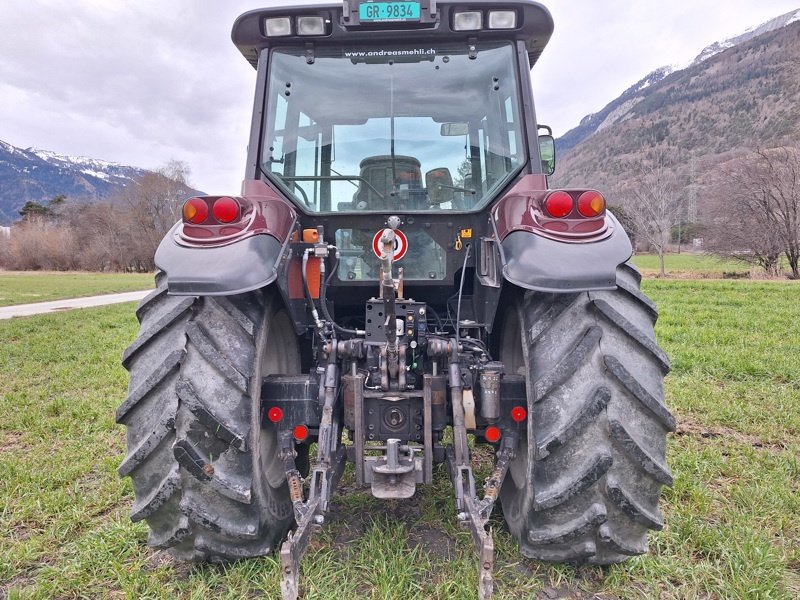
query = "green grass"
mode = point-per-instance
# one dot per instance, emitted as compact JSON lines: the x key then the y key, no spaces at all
{"x":733,"y":517}
{"x":692,"y":265}
{"x":31,"y":286}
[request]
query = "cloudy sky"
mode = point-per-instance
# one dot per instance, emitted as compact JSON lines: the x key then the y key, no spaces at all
{"x":142,"y":82}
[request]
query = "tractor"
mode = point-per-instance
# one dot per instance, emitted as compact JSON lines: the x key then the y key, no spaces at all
{"x":396,"y":285}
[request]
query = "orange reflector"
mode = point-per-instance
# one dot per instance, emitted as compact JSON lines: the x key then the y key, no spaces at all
{"x":195,"y":211}
{"x":519,"y":414}
{"x":300,"y":433}
{"x":275,"y":414}
{"x":591,"y":204}
{"x":493,"y":434}
{"x":310,"y":236}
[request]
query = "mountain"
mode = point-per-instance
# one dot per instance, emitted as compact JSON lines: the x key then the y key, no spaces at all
{"x":617,"y":110}
{"x":741,"y":93}
{"x":39,"y":175}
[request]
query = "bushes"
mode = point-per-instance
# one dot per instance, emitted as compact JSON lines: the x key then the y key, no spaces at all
{"x":39,"y":245}
{"x":98,"y":237}
{"x":119,"y":235}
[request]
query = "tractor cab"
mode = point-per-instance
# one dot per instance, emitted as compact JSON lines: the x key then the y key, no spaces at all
{"x":394,"y":106}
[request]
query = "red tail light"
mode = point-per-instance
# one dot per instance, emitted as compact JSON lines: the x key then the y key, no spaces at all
{"x":226,"y":210}
{"x":195,"y":211}
{"x":519,"y":414}
{"x":591,"y":204}
{"x":300,"y":433}
{"x":275,"y":414}
{"x":558,"y":204}
{"x":493,"y":434}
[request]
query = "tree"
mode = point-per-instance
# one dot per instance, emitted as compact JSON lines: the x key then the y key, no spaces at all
{"x":754,"y":206}
{"x":654,"y":201}
{"x":36,"y":210}
{"x":155,"y":205}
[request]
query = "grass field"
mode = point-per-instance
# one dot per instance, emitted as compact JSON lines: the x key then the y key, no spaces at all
{"x":23,"y":287}
{"x":688,"y":265}
{"x":733,"y":517}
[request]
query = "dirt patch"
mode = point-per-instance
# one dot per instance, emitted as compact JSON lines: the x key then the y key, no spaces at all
{"x":690,"y":427}
{"x":12,"y":441}
{"x":161,"y":559}
{"x":433,"y":541}
{"x":17,"y":584}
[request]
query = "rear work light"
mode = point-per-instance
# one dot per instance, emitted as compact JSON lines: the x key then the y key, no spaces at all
{"x":471,"y":20}
{"x":558,"y":204}
{"x":591,"y":204}
{"x":195,"y":211}
{"x":502,"y":19}
{"x":311,"y":26}
{"x":226,"y":210}
{"x":278,"y":27}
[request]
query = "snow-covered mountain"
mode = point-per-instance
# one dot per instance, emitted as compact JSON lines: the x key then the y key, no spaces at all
{"x":39,"y":175}
{"x":620,"y":108}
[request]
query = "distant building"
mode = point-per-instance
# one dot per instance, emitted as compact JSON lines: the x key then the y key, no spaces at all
{"x":5,"y":232}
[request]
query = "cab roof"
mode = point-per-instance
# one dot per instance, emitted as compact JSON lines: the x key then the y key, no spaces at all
{"x":534,"y":26}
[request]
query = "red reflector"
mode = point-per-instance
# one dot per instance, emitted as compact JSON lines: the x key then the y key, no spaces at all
{"x":519,"y":414}
{"x":558,"y":204}
{"x":591,"y":204}
{"x":226,"y":210}
{"x":493,"y":434}
{"x":195,"y":211}
{"x":275,"y":414}
{"x":300,"y":433}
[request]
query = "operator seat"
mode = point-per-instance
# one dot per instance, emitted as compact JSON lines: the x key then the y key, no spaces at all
{"x":401,"y":186}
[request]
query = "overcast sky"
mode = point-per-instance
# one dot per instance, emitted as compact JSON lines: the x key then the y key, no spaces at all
{"x":142,"y":82}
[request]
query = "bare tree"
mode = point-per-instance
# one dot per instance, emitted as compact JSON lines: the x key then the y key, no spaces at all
{"x":654,"y":201}
{"x":754,"y":208}
{"x":155,"y":205}
{"x":119,"y":235}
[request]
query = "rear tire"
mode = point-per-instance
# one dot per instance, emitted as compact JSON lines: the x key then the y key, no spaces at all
{"x":585,"y":484}
{"x":206,"y":475}
{"x":150,"y":410}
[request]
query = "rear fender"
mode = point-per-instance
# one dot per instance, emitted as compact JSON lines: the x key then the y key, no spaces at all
{"x":535,"y":256}
{"x":205,"y":264}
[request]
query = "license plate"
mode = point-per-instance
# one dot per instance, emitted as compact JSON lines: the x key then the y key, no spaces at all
{"x":373,"y":12}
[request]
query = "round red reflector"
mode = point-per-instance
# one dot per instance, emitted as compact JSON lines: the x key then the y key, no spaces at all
{"x":493,"y":434}
{"x":591,"y":204}
{"x":225,"y":210}
{"x":300,"y":433}
{"x":519,"y":414}
{"x":558,"y":204}
{"x":195,"y":211}
{"x":275,"y":414}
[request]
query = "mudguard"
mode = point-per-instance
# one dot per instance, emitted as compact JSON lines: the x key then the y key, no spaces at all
{"x":233,"y":258}
{"x":235,"y":268}
{"x":535,"y":262}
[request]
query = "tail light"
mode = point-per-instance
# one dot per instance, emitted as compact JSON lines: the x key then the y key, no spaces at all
{"x":558,"y":204}
{"x":591,"y":204}
{"x":275,"y":414}
{"x":226,"y":210}
{"x":300,"y":433}
{"x":519,"y":414}
{"x":493,"y":434}
{"x":195,"y":210}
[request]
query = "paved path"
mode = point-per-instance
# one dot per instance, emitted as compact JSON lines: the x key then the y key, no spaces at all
{"x":38,"y":308}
